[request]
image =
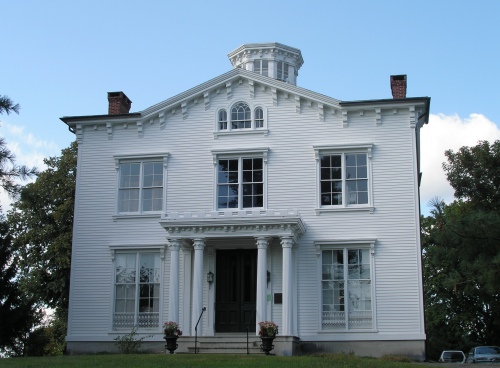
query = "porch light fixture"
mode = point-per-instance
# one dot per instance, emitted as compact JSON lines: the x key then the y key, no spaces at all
{"x":210,"y":277}
{"x":268,"y":277}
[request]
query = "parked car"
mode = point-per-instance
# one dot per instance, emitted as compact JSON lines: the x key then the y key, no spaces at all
{"x":452,"y":356}
{"x":484,"y":354}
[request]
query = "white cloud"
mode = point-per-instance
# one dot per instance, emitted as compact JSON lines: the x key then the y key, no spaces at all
{"x":28,"y":149}
{"x":443,"y":133}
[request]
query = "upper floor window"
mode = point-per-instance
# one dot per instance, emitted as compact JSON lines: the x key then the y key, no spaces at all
{"x":222,"y":120}
{"x":240,"y":178}
{"x":282,"y":71}
{"x":259,"y":117}
{"x":141,"y":187}
{"x":240,"y":119}
{"x":344,"y":176}
{"x":240,"y":183}
{"x":261,"y":67}
{"x":240,"y":116}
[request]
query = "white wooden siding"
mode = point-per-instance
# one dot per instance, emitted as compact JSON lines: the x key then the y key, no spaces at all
{"x":291,"y":184}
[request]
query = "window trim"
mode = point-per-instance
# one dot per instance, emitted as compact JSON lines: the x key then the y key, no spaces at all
{"x":240,"y":153}
{"x":346,"y":244}
{"x":149,"y":157}
{"x":252,"y":130}
{"x":320,"y":150}
{"x":135,"y":249}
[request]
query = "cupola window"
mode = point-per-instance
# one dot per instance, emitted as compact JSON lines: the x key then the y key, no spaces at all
{"x":261,"y":67}
{"x":282,"y":72}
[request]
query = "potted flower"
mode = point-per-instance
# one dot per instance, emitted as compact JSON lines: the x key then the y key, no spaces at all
{"x":172,"y":332}
{"x":267,"y":333}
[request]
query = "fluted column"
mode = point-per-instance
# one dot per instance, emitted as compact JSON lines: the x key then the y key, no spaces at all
{"x":199,"y":245}
{"x":173,"y":293}
{"x":261,"y":308}
{"x":287,"y":243}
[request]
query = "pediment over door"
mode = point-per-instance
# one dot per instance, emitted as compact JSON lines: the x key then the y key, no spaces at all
{"x":238,"y":223}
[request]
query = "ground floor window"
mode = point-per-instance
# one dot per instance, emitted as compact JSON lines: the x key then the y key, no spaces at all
{"x":346,"y":289}
{"x":137,"y":290}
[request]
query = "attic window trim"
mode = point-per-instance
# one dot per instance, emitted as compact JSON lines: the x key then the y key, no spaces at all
{"x":258,"y":123}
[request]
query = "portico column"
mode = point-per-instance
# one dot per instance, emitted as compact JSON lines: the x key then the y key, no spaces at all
{"x":286,"y":243}
{"x":199,"y":245}
{"x":261,"y":308}
{"x":173,"y":293}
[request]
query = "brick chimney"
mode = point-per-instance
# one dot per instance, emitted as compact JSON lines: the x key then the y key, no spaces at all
{"x":398,"y":86}
{"x":119,"y":103}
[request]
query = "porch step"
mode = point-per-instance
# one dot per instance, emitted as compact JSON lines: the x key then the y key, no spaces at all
{"x":225,"y":345}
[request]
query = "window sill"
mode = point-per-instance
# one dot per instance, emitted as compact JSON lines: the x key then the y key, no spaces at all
{"x":344,"y":209}
{"x":136,"y":215}
{"x":218,"y":134}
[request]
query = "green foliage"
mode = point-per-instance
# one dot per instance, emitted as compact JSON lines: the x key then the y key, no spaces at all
{"x":474,"y":173}
{"x":42,"y":224}
{"x":129,"y":343}
{"x":461,"y":254}
{"x":18,"y":313}
{"x":48,"y":340}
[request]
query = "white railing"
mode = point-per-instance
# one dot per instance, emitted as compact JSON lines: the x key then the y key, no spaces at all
{"x":334,"y":320}
{"x":230,"y":214}
{"x":144,"y":320}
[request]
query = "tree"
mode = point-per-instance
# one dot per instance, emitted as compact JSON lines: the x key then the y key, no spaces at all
{"x":461,"y":254}
{"x":42,"y":223}
{"x":474,"y":173}
{"x":7,"y":106}
{"x":9,"y":171}
{"x":17,"y":312}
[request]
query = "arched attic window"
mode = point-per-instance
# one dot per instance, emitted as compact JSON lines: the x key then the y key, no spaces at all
{"x":240,"y":116}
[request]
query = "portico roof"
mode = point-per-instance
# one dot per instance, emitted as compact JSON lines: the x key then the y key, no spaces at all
{"x":237,"y":223}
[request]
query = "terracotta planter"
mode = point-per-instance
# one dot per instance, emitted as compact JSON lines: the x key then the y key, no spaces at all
{"x":267,"y":344}
{"x":171,"y":343}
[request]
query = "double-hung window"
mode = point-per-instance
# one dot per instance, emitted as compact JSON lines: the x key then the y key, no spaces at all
{"x":140,"y":184}
{"x":137,"y":290}
{"x":344,"y":176}
{"x":240,"y":179}
{"x":346,"y":288}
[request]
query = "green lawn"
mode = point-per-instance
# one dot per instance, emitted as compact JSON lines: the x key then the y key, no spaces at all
{"x":201,"y":360}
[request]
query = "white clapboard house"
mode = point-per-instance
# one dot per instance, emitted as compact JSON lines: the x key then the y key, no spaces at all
{"x":248,"y":198}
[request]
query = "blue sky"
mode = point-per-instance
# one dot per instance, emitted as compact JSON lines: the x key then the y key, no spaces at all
{"x":60,"y":58}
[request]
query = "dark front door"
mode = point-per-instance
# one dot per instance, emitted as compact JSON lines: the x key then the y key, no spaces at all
{"x":236,"y":289}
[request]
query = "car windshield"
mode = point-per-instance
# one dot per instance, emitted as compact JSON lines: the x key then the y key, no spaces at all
{"x":488,"y":350}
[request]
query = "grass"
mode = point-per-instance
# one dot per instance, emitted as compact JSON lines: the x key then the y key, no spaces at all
{"x":206,"y":361}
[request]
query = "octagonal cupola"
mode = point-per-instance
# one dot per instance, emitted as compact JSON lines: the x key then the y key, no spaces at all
{"x":273,"y":60}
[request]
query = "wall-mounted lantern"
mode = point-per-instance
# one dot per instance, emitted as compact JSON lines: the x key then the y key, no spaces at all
{"x":210,"y":277}
{"x":268,"y":277}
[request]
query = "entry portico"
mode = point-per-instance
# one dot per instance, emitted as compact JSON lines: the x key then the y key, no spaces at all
{"x":209,"y":232}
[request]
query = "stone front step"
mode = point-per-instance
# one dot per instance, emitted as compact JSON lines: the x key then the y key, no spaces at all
{"x":222,"y":345}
